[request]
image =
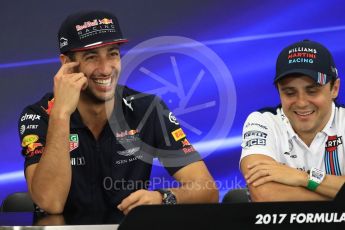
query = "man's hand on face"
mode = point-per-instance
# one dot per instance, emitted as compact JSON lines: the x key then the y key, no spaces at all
{"x":67,"y":87}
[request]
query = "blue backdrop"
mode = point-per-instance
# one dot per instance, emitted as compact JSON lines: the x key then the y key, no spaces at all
{"x":211,"y":61}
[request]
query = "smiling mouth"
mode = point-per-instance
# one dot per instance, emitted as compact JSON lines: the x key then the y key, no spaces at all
{"x":304,"y":114}
{"x":103,"y":82}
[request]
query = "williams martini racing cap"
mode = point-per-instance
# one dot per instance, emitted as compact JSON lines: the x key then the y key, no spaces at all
{"x":306,"y":58}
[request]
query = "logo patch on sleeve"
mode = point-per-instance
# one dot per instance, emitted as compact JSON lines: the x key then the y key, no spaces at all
{"x":49,"y":106}
{"x":185,"y":142}
{"x":331,"y":157}
{"x":34,"y":149}
{"x":173,"y":119}
{"x":178,"y":134}
{"x":29,"y":139}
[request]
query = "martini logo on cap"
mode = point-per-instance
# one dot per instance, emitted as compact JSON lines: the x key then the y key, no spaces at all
{"x":302,"y":55}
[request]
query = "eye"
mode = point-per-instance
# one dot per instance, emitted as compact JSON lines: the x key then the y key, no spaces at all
{"x":114,"y":53}
{"x":313,"y":90}
{"x":90,"y":57}
{"x":289,"y":93}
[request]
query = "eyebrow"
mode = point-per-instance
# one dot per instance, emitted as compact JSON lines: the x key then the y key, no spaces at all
{"x":87,"y":52}
{"x":113,"y":47}
{"x":315,"y":85}
{"x":287,"y":88}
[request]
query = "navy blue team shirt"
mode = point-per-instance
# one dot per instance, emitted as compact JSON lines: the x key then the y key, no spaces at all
{"x":107,"y":170}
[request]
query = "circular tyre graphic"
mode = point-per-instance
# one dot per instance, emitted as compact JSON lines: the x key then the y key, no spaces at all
{"x":192,"y":80}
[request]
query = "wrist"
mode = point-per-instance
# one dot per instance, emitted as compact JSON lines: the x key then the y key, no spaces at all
{"x":160,"y":196}
{"x":316,"y":176}
{"x":168,"y":197}
{"x":304,"y":179}
{"x":59,"y":114}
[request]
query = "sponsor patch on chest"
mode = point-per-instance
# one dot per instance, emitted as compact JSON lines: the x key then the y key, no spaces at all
{"x":73,"y":142}
{"x":333,"y":142}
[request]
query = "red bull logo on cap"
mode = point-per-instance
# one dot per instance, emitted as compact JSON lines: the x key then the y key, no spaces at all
{"x":95,"y":22}
{"x":105,"y":21}
{"x":87,"y":25}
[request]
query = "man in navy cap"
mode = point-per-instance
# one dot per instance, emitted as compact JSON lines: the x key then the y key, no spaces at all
{"x":296,"y":151}
{"x":91,"y":143}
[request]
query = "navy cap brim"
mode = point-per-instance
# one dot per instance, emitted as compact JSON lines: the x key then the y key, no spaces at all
{"x":309,"y":73}
{"x":97,"y":45}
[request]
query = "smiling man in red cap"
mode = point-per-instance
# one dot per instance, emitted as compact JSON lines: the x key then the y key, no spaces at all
{"x":91,"y":144}
{"x":296,"y":151}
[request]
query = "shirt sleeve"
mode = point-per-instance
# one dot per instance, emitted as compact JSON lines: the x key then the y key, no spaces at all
{"x":173,"y":149}
{"x":258,"y":136}
{"x":32,"y":128}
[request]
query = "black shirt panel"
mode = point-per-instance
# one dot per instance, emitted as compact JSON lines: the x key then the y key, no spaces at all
{"x":107,"y":170}
{"x":156,"y":119}
{"x":33,"y":126}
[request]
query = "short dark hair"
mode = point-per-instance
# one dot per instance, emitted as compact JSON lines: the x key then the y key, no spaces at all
{"x":70,"y":55}
{"x":332,"y":81}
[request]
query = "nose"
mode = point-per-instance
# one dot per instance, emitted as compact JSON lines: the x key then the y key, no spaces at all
{"x":105,"y":67}
{"x":302,"y":100}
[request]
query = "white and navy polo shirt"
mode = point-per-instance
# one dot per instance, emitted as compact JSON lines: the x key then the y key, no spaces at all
{"x":270,"y":133}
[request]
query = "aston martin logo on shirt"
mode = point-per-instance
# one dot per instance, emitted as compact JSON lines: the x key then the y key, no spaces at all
{"x":128,"y":152}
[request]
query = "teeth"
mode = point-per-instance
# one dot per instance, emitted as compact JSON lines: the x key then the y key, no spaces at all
{"x":103,"y":82}
{"x":304,"y":113}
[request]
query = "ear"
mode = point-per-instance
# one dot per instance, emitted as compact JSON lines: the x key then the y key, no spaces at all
{"x":64,"y":59}
{"x":335,"y":89}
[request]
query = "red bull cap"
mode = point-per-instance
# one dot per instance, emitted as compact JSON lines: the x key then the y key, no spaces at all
{"x":89,"y":30}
